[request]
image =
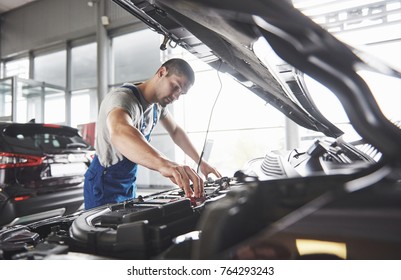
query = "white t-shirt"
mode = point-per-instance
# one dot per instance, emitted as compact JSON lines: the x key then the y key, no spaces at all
{"x":138,"y":110}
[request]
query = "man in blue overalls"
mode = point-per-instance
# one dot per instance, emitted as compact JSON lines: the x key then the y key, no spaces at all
{"x":127,"y":116}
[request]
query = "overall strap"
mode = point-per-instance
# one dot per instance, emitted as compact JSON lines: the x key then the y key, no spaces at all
{"x":154,"y":122}
{"x":134,"y":90}
{"x":136,"y":93}
{"x":154,"y":117}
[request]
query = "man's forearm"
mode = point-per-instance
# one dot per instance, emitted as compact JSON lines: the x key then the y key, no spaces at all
{"x":138,"y":150}
{"x":182,"y":140}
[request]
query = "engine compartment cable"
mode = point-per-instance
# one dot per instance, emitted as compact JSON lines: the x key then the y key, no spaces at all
{"x":211,"y":115}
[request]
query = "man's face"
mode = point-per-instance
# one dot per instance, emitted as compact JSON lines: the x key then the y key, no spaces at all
{"x":171,"y":87}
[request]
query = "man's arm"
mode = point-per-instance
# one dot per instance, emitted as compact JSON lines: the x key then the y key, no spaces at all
{"x":130,"y":142}
{"x":182,"y":140}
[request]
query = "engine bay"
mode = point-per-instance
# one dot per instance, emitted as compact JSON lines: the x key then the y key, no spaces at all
{"x":274,"y":214}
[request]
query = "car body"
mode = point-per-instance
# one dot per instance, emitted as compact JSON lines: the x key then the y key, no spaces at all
{"x":333,"y":200}
{"x":42,"y":168}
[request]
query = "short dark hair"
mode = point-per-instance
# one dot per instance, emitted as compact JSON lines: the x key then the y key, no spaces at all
{"x":179,"y":67}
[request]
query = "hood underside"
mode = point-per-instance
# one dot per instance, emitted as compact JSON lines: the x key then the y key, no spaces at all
{"x":224,"y":39}
{"x":223,"y":33}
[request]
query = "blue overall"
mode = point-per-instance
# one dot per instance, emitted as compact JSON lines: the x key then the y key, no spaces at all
{"x":115,"y":183}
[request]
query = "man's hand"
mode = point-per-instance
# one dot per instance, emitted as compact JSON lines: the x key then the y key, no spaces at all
{"x":206,"y":169}
{"x":183,"y":175}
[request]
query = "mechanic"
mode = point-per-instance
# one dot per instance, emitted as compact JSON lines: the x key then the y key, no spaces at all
{"x":127,"y":116}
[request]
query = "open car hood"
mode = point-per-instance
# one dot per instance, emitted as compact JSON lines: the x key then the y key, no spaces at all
{"x":222,"y":33}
